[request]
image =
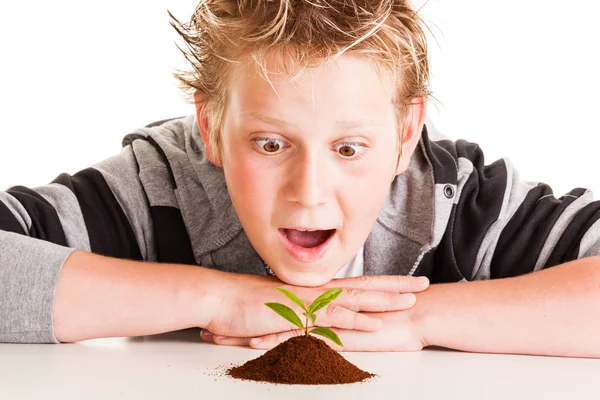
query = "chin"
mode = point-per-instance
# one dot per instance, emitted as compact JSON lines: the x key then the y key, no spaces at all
{"x":303,"y":279}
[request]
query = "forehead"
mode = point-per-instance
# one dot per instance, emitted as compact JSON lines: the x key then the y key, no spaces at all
{"x":346,"y":87}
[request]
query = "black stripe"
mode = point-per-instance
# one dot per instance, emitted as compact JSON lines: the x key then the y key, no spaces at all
{"x":440,"y":264}
{"x":129,"y":139}
{"x":8,"y":222}
{"x":173,"y":243}
{"x":108,"y":229}
{"x":478,"y":208}
{"x":524,"y":236}
{"x":444,"y":164}
{"x":567,"y":248}
{"x":425,"y":267}
{"x":45,"y":224}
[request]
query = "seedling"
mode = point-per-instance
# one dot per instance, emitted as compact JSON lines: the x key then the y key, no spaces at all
{"x":309,"y":312}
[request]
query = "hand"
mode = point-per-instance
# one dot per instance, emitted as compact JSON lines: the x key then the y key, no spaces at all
{"x":398,"y":333}
{"x":241,"y":310}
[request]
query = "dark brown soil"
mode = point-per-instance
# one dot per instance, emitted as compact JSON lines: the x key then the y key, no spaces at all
{"x":300,"y":360}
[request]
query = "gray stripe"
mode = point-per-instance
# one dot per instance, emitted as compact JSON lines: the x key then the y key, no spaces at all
{"x":559,"y":227}
{"x":120,"y":173}
{"x":515,"y":193}
{"x":17,"y":210}
{"x":69,"y":213}
{"x":590,"y":242}
{"x":29,"y":274}
{"x":156,"y":178}
{"x":443,"y":209}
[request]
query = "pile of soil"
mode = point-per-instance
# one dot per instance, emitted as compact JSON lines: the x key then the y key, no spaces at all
{"x":302,"y":360}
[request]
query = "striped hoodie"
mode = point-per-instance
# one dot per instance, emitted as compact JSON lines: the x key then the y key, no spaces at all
{"x":450,"y":217}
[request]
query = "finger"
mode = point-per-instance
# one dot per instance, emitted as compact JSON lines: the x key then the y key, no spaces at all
{"x":206,"y":336}
{"x":267,"y":342}
{"x":340,"y":317}
{"x":386,"y":283}
{"x":351,"y":341}
{"x":223,"y":340}
{"x":231,"y":341}
{"x":375,"y":301}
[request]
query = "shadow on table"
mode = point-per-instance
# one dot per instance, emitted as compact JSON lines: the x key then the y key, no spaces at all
{"x":184,"y":336}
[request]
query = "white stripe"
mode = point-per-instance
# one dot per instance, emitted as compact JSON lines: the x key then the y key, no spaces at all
{"x":559,"y":227}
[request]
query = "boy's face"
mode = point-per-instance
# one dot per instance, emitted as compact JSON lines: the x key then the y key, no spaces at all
{"x":317,"y":154}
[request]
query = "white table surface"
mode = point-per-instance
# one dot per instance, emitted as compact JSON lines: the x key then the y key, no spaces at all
{"x":179,"y":365}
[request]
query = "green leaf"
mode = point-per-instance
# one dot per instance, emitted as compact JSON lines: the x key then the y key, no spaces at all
{"x":323,"y":300}
{"x":328,"y":333}
{"x":286,"y":313}
{"x":312,"y":317}
{"x":292,"y":297}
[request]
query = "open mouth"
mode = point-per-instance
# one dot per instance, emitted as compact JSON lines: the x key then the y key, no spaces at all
{"x":307,"y":239}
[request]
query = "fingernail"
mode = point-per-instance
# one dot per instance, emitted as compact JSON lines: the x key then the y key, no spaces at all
{"x":422,"y":280}
{"x":219,"y":337}
{"x":206,"y":333}
{"x":256,"y":340}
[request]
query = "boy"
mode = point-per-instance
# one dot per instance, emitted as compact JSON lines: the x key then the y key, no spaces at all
{"x":294,"y":172}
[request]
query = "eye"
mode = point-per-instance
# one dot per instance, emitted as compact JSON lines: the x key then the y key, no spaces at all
{"x":268,"y":146}
{"x":350,"y":150}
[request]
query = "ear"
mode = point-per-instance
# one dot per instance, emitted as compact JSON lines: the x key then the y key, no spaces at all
{"x":202,"y":121}
{"x":413,"y":126}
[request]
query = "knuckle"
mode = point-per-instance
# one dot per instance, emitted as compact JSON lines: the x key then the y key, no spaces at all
{"x":353,"y":293}
{"x":335,"y":311}
{"x":389,"y":298}
{"x":356,"y":317}
{"x":365,"y":280}
{"x":400,"y":279}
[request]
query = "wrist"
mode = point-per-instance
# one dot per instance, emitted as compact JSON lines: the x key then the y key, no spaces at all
{"x":422,"y":318}
{"x":206,"y":295}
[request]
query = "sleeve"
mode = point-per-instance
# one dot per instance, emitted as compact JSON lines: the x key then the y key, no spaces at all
{"x":102,"y":209}
{"x":502,"y":226}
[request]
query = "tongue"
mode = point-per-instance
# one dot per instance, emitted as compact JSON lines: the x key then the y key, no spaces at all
{"x":306,"y":238}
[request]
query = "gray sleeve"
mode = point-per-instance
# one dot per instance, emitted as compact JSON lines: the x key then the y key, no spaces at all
{"x":102,"y":209}
{"x":29,"y":270}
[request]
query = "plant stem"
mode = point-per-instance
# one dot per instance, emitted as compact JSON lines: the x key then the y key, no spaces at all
{"x":306,"y":326}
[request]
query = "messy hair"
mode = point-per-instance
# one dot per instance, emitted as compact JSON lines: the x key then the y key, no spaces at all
{"x":300,"y":34}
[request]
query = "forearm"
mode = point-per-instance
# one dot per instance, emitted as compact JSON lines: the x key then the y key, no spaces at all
{"x":106,"y":297}
{"x":550,"y":312}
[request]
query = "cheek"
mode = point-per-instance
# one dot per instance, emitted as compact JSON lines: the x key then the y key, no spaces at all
{"x":366,"y":190}
{"x":368,"y":199}
{"x":249,"y":188}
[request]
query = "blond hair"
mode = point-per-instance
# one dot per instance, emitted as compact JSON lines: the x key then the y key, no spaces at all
{"x":300,"y":34}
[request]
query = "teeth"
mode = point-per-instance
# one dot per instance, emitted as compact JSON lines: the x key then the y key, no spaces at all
{"x":308,"y":230}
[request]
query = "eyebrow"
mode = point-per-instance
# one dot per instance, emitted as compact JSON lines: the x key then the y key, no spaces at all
{"x":344,"y":124}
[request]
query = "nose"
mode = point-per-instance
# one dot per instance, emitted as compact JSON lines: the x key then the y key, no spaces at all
{"x":309,"y":180}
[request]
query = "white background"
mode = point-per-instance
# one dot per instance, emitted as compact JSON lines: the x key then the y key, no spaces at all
{"x":521,"y":78}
